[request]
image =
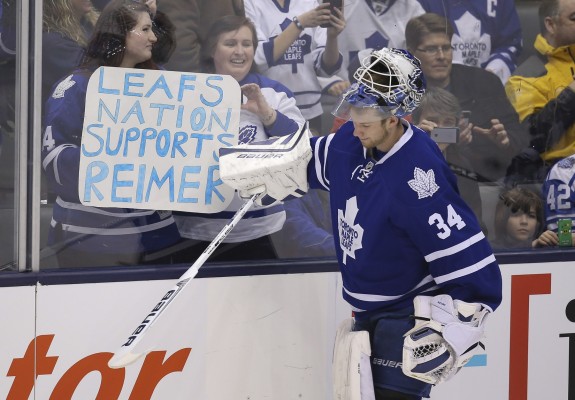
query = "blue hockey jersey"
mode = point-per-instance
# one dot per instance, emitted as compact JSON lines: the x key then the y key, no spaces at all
{"x":559,"y":193}
{"x":90,"y":229}
{"x":401,"y":228}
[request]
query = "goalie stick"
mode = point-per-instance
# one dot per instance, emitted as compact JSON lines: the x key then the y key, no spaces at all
{"x":127,"y":354}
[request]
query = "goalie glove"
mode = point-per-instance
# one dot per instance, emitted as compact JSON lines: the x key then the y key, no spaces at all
{"x":276,"y":167}
{"x":446,"y":335}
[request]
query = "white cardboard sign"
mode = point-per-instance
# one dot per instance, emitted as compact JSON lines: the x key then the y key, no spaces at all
{"x":151,"y":138}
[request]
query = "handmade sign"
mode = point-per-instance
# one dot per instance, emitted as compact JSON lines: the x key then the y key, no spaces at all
{"x":151,"y":139}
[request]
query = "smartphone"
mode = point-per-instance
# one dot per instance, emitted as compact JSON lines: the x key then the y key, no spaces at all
{"x":445,"y":135}
{"x":465,"y":118}
{"x":564,"y":232}
{"x":333,"y":4}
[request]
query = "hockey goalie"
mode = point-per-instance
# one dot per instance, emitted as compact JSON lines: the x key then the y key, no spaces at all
{"x":417,"y":270}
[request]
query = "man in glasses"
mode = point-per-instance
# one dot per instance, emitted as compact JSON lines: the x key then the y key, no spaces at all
{"x":488,"y":33}
{"x":496,"y":134}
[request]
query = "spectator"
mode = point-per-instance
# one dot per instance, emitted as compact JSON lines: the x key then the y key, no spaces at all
{"x":519,"y":221}
{"x":544,"y":96}
{"x":307,"y":231}
{"x":269,"y":110}
{"x":496,"y":135}
{"x":440,"y":108}
{"x":295,"y":49}
{"x":487,"y":33}
{"x":67,"y":26}
{"x":370,"y":24}
{"x":559,"y":192}
{"x":193,"y":19}
{"x":163,"y":28}
{"x":87,"y":236}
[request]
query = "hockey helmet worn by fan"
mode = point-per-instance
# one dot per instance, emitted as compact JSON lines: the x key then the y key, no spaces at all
{"x":388,"y":80}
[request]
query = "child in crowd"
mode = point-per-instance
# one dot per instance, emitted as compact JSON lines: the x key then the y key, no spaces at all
{"x":519,"y":221}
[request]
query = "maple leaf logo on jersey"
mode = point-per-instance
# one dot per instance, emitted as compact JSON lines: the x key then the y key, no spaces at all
{"x":471,"y":44}
{"x":62,"y":87}
{"x":247,"y":134}
{"x":423,"y":183}
{"x":350,"y":234}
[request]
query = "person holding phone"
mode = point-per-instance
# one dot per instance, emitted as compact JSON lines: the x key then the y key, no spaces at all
{"x":371,"y":24}
{"x":439,"y":109}
{"x":295,"y":50}
{"x":496,"y":136}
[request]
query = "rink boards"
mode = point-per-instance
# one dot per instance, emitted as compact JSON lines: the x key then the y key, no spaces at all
{"x":260,"y":337}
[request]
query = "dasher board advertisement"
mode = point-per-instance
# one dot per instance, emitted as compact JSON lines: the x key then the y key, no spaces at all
{"x":263,"y":337}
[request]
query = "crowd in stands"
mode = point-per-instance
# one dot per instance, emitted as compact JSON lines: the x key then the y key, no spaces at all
{"x":514,"y":124}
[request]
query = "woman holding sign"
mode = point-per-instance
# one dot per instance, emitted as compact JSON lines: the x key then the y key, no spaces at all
{"x":90,"y":236}
{"x":268,"y":109}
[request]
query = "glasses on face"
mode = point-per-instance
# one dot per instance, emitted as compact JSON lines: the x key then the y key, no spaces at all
{"x":434,"y":50}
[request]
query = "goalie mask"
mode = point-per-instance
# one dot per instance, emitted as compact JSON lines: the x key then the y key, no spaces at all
{"x":389,"y":81}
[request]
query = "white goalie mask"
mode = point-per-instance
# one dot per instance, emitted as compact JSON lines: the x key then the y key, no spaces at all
{"x":389,"y":81}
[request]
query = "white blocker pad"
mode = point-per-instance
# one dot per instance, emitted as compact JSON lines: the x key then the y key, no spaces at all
{"x":446,"y":335}
{"x":352,"y":378}
{"x":277,"y":167}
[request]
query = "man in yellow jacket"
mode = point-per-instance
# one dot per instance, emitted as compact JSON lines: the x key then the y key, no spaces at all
{"x":543,"y":91}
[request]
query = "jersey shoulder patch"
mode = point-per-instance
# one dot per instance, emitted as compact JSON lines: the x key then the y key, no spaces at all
{"x":64,"y":85}
{"x":423,"y":183}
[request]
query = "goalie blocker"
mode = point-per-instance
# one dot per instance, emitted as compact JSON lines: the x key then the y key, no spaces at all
{"x":276,"y":167}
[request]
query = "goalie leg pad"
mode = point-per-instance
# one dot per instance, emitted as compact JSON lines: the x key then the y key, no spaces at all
{"x":352,"y":379}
